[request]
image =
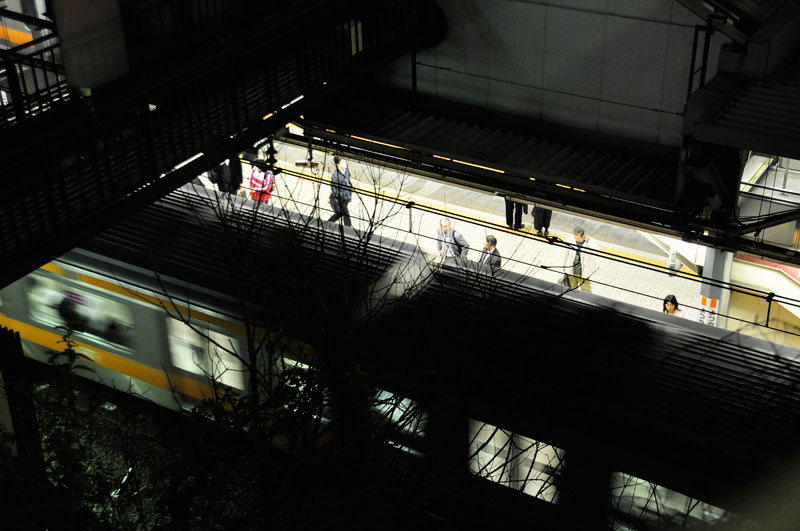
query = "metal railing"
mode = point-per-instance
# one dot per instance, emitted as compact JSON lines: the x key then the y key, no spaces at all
{"x":32,"y":78}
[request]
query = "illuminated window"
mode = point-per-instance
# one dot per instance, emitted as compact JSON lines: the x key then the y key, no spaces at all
{"x":515,"y":461}
{"x":87,"y":314}
{"x":640,"y":504}
{"x":356,"y":37}
{"x":402,"y":413}
{"x":206,"y":352}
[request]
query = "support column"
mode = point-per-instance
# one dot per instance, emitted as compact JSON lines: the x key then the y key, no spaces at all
{"x":714,"y":299}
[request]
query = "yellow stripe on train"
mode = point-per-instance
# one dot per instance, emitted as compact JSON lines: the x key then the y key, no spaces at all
{"x":182,"y":384}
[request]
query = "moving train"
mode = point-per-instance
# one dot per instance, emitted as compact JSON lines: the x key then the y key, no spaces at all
{"x":456,"y":337}
{"x":166,"y":335}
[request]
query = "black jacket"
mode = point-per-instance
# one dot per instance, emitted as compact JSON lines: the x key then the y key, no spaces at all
{"x":341,"y":187}
{"x":494,"y":258}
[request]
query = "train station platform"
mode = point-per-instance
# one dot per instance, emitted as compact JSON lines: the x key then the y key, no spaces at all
{"x":633,"y":265}
{"x":632,"y":269}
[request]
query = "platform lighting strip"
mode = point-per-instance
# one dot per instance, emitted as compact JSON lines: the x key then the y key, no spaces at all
{"x":187,"y":161}
{"x":468,"y":163}
{"x":567,"y":187}
{"x":445,"y":158}
{"x":376,"y":142}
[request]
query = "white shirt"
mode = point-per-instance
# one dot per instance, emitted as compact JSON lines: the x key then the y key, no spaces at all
{"x":448,"y":237}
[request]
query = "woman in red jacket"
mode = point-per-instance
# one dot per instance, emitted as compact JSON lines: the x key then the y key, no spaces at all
{"x":260,"y":185}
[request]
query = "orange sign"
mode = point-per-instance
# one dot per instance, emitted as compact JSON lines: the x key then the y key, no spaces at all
{"x":709,"y":308}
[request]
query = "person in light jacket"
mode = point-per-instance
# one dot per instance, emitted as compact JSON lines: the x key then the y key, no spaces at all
{"x":450,"y":243}
{"x":580,"y":265}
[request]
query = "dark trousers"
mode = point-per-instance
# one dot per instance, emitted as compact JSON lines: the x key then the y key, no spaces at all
{"x":541,"y":218}
{"x":340,"y":211}
{"x":514,"y":209}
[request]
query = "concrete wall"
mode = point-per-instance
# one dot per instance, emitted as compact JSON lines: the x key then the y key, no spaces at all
{"x":92,"y":42}
{"x":750,"y":308}
{"x":613,"y":66}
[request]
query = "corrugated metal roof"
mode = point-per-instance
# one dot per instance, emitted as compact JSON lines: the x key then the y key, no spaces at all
{"x":547,"y":153}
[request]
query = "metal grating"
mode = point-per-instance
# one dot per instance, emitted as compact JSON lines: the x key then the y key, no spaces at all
{"x":635,"y":173}
{"x":762,"y":115}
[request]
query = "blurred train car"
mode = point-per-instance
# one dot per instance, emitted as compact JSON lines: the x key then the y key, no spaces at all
{"x":121,"y":294}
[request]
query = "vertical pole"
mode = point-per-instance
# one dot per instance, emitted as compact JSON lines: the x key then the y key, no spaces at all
{"x":769,"y":306}
{"x":785,"y":163}
{"x":14,"y":88}
{"x":717,"y":269}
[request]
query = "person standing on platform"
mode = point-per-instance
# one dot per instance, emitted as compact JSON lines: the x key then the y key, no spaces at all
{"x":579,"y":265}
{"x":230,"y":180}
{"x":260,"y":184}
{"x":450,"y":243}
{"x":341,"y":191}
{"x":541,"y":220}
{"x":671,"y":306}
{"x":235,"y":165}
{"x":490,"y":256}
{"x":514,"y":213}
{"x":223,"y":176}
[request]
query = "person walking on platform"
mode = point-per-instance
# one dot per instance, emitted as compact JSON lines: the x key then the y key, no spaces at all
{"x":514,"y":213}
{"x":341,"y":191}
{"x":579,"y":265}
{"x":260,"y":184}
{"x":541,"y":220}
{"x":490,"y":257}
{"x":450,"y":243}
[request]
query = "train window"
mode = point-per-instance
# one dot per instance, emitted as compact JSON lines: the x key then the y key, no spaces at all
{"x":403,"y":413}
{"x":87,"y":314}
{"x":515,"y":461}
{"x":636,"y":502}
{"x":203,"y":351}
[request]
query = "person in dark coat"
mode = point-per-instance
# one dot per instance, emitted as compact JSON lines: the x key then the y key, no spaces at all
{"x":541,"y":220}
{"x":514,"y":213}
{"x":235,"y":176}
{"x":226,"y":177}
{"x":450,"y":243}
{"x":490,"y":256}
{"x":341,"y":191}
